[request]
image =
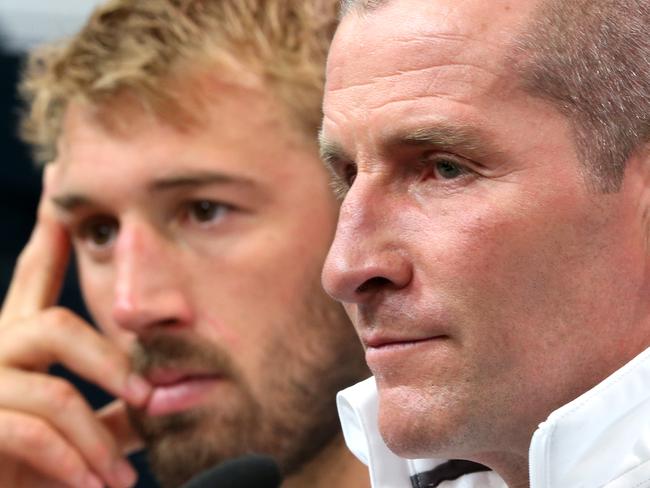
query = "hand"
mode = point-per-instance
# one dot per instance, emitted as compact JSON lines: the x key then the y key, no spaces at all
{"x":49,"y":435}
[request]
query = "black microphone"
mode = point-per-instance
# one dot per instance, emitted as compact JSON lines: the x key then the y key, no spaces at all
{"x":253,"y":471}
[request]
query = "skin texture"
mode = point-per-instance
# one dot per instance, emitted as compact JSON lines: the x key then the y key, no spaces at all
{"x":50,"y":437}
{"x":199,"y":255}
{"x":487,"y":282}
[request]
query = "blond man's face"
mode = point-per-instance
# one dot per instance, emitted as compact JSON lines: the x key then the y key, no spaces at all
{"x":201,"y":251}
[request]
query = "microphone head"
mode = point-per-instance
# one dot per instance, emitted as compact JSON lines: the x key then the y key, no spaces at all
{"x":251,"y":471}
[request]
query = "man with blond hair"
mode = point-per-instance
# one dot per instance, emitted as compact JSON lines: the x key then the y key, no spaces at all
{"x":493,"y":247}
{"x":182,"y":168}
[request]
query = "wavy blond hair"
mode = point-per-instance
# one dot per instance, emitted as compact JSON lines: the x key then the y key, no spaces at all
{"x":139,"y":47}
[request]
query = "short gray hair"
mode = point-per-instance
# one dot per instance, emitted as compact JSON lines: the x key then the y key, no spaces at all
{"x":591,"y":59}
{"x":359,"y":6}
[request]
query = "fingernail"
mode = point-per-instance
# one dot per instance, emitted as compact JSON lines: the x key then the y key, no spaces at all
{"x":138,"y":389}
{"x":124,"y":474}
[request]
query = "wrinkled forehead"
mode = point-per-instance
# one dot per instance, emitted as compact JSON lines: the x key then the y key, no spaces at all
{"x":410,"y":35}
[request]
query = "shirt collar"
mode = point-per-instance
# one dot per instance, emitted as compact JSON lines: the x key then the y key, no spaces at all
{"x":358,"y":409}
{"x":599,"y":436}
{"x":602,"y":435}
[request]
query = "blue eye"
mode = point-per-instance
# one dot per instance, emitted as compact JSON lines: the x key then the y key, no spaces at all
{"x":448,"y":170}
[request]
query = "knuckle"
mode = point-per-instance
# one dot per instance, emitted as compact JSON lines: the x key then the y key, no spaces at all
{"x":14,"y":340}
{"x":112,"y":361}
{"x":34,"y":434}
{"x":100,"y":452}
{"x":68,"y":464}
{"x":9,"y":328}
{"x":60,"y":395}
{"x":60,"y":317}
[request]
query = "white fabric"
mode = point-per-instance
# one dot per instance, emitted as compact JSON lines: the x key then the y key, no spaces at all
{"x":357,"y":407}
{"x":599,"y":440}
{"x":601,"y":437}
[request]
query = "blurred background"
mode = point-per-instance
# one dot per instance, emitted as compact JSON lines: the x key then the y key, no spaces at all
{"x":23,"y":25}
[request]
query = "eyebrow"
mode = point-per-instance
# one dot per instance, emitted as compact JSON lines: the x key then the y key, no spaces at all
{"x":69,"y":202}
{"x":467,"y":140}
{"x":446,"y":136}
{"x":72,"y":201}
{"x":452,"y":137}
{"x":198,"y":179}
{"x":330,"y":152}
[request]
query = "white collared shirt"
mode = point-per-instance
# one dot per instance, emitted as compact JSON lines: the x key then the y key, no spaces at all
{"x":357,"y":407}
{"x":599,"y":440}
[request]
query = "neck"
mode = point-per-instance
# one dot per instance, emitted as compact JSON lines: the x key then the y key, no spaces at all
{"x":516,"y":476}
{"x":333,"y":466}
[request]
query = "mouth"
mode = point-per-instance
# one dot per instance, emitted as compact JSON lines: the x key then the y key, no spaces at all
{"x":388,"y":352}
{"x":178,"y":391}
{"x":377,"y":341}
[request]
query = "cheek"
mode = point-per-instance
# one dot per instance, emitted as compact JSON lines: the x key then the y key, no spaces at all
{"x":97,"y":292}
{"x":508,"y":265}
{"x":274,"y":279}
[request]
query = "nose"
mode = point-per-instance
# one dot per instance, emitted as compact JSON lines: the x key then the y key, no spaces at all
{"x":365,"y":258}
{"x":148,"y":289}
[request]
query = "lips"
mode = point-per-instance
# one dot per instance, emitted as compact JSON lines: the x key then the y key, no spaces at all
{"x":394,"y":355}
{"x":177,"y":391}
{"x":378,"y":341}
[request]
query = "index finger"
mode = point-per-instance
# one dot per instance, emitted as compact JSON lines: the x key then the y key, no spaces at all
{"x":41,"y":266}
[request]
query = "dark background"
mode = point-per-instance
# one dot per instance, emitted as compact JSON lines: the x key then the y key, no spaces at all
{"x":19,"y":192}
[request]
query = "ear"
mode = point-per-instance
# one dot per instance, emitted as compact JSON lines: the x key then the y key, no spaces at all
{"x":639,"y":176}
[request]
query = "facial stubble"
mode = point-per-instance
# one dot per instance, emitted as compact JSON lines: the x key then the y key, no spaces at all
{"x":290,"y":416}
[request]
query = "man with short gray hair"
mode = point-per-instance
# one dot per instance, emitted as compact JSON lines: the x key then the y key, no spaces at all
{"x":492,"y":246}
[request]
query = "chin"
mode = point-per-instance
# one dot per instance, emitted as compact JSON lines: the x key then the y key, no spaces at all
{"x":402,"y":437}
{"x":421,"y":425}
{"x":177,"y":456}
{"x":181,"y":445}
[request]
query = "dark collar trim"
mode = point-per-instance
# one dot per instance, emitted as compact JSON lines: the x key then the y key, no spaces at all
{"x":451,"y":470}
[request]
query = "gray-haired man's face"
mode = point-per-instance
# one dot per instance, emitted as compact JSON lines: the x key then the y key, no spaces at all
{"x":487,"y":282}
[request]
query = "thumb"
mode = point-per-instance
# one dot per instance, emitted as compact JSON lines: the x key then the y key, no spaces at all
{"x":115,"y":418}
